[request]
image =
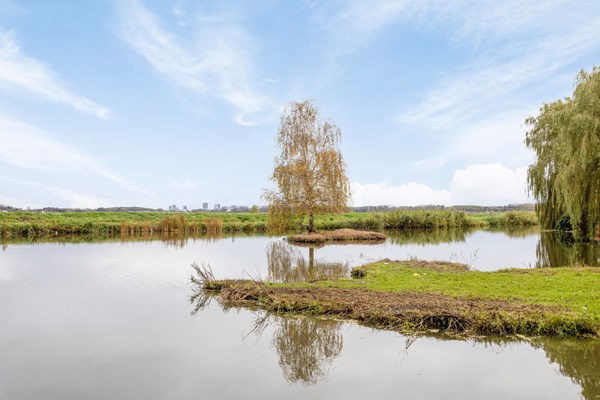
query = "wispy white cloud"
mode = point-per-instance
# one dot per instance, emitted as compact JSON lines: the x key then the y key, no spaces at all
{"x":512,"y":44}
{"x":481,"y":184}
{"x":218,"y":63}
{"x":498,"y":138}
{"x":369,"y":17}
{"x":482,"y":82}
{"x":22,"y":72}
{"x":30,"y":148}
{"x":475,"y":21}
{"x":68,"y":197}
{"x":184,"y":184}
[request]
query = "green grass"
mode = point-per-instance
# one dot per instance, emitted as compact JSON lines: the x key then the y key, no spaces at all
{"x":30,"y":224}
{"x":576,"y":288}
{"x":505,"y":219}
{"x":27,"y":224}
{"x":419,"y":297}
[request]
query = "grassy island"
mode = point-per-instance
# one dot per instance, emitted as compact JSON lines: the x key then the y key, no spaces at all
{"x":418,"y":296}
{"x":339,"y":235}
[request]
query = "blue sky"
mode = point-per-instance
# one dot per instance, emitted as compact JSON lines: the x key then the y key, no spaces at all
{"x":152,"y":103}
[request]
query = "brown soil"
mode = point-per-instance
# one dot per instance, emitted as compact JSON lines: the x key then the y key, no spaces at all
{"x":339,"y":235}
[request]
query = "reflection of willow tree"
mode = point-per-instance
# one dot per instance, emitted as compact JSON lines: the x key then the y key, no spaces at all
{"x":557,"y":250}
{"x":425,"y":237}
{"x":286,"y":264}
{"x":578,"y":360}
{"x":519,"y":231}
{"x":306,"y":348}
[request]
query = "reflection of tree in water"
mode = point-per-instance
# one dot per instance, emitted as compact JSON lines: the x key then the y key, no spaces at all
{"x":425,"y":237}
{"x":557,"y":250}
{"x":287,"y":264}
{"x":578,"y":360}
{"x":306,"y":348}
{"x":517,"y":231}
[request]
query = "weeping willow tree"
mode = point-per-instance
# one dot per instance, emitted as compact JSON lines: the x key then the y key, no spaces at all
{"x":565,"y":178}
{"x":309,"y":172}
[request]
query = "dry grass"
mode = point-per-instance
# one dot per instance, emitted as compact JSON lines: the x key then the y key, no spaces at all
{"x":213,"y":226}
{"x":339,"y":235}
{"x":407,"y":311}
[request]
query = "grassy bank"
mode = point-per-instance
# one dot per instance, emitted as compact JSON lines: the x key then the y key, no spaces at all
{"x":416,"y":296}
{"x":29,"y":224}
{"x":107,"y":224}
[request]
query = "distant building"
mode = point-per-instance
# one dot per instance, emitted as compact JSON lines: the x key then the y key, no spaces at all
{"x":217,"y":206}
{"x":173,"y":208}
{"x":205,"y":206}
{"x":185,"y":209}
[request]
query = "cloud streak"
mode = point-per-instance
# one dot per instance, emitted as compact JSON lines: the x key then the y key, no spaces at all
{"x":216,"y":64}
{"x":21,"y":72}
{"x":482,"y":82}
{"x":512,"y":44}
{"x":516,"y":43}
{"x":73,"y":199}
{"x":29,"y":148}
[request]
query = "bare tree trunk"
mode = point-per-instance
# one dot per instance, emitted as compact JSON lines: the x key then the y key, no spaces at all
{"x":311,"y":223}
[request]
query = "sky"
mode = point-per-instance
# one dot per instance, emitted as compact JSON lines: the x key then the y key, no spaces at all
{"x":153,"y":103}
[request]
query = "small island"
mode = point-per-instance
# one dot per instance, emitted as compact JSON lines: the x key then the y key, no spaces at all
{"x":338,"y":236}
{"x":424,"y":297}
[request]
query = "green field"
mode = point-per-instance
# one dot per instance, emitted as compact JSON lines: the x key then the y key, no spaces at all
{"x":32,"y":224}
{"x":575,"y":288}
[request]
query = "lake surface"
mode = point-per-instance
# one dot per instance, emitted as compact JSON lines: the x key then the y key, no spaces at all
{"x":117,"y":320}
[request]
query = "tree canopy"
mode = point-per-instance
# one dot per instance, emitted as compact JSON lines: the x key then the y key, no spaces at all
{"x":309,"y":171}
{"x":565,"y":178}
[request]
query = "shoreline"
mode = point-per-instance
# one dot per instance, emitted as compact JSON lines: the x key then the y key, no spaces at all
{"x":414,"y":309}
{"x":103,"y":224}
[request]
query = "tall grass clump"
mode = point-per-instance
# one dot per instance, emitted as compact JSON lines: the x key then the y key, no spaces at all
{"x":173,"y":223}
{"x":213,"y":226}
{"x":3,"y":230}
{"x":519,"y":218}
{"x":509,"y":218}
{"x":428,"y":219}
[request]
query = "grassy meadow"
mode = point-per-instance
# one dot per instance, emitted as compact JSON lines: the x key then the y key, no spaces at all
{"x":106,"y":224}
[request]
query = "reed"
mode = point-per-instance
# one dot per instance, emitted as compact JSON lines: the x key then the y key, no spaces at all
{"x":428,"y":219}
{"x":213,"y":226}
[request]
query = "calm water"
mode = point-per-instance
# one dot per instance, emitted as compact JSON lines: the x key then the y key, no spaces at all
{"x":115,"y":320}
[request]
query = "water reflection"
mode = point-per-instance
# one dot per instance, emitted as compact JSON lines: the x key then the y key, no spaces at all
{"x":518,"y":231}
{"x":287,"y":264}
{"x":170,"y":239}
{"x":487,"y":249}
{"x":577,"y":359}
{"x":558,"y":250}
{"x":426,"y":237}
{"x":306,"y":348}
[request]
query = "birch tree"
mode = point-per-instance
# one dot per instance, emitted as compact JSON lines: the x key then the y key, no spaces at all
{"x":309,"y":172}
